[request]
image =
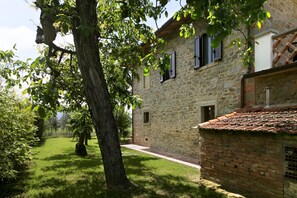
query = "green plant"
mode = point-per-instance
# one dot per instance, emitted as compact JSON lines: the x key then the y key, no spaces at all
{"x":16,"y":135}
{"x":123,"y":120}
{"x":81,"y":125}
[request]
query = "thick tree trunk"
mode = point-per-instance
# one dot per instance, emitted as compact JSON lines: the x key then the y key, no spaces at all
{"x":86,"y":140}
{"x":80,"y":148}
{"x":86,"y":42}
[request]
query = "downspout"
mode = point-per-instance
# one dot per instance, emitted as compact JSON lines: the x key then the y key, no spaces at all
{"x":132,"y":111}
{"x":242,"y":84}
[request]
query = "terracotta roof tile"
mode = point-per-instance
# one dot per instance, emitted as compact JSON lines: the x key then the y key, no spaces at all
{"x":259,"y":120}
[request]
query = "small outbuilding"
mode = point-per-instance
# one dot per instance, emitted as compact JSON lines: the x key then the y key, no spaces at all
{"x":252,"y":153}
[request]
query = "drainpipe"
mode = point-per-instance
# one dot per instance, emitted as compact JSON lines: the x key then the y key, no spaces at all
{"x":132,"y":112}
{"x":242,"y":84}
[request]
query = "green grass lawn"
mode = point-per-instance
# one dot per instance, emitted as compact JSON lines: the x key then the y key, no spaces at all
{"x":56,"y":171}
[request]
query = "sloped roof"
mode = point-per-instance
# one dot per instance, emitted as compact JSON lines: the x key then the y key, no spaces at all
{"x":171,"y":26}
{"x":262,"y":120}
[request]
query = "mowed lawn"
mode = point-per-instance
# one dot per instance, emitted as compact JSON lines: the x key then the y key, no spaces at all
{"x":56,"y":171}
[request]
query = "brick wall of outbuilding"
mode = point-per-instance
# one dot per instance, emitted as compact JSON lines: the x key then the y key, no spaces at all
{"x":248,"y":163}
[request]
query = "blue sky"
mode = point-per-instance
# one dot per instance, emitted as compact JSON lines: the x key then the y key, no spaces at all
{"x":18,"y":21}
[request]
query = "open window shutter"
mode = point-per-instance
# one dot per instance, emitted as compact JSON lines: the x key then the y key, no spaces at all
{"x":197,"y":52}
{"x":161,"y":77}
{"x":217,"y":53}
{"x":172,"y":65}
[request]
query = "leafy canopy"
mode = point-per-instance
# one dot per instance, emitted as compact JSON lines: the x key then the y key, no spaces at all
{"x":55,"y":83}
{"x":223,"y":17}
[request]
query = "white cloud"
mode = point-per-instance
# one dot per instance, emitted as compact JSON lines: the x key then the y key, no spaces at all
{"x":23,"y":37}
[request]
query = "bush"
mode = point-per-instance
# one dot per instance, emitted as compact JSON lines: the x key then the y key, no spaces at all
{"x":123,"y":120}
{"x":16,"y":135}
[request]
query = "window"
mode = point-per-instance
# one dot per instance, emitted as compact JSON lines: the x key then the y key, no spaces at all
{"x":207,"y":113}
{"x":146,"y":81}
{"x":171,"y":72}
{"x":291,"y":162}
{"x":204,"y":53}
{"x":146,"y":117}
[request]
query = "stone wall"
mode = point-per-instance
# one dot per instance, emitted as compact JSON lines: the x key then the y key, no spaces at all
{"x":283,"y":14}
{"x":282,"y":18}
{"x":246,"y":163}
{"x":175,"y":105}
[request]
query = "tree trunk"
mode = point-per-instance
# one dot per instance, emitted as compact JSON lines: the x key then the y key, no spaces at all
{"x":86,"y":43}
{"x":80,"y":148}
{"x":86,"y":140}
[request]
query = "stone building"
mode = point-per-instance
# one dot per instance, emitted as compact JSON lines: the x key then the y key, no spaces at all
{"x":202,"y":83}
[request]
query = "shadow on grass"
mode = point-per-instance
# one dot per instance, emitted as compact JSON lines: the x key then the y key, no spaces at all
{"x":67,"y":175}
{"x":14,"y":188}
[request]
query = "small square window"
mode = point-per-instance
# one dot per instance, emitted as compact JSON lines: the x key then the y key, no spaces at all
{"x":146,"y":117}
{"x":207,"y":113}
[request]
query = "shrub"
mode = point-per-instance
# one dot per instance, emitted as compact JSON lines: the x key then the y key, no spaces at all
{"x":123,"y":120}
{"x":16,"y":135}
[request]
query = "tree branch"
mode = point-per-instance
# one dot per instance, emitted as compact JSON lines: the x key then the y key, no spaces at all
{"x":57,"y":48}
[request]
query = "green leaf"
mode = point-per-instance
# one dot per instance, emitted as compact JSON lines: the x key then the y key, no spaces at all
{"x":268,"y":14}
{"x":166,"y":14}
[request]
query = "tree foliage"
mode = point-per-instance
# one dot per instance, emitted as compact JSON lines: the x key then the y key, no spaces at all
{"x":64,"y":121}
{"x":223,"y":17}
{"x":53,"y":123}
{"x":81,"y":125}
{"x":16,"y":135}
{"x":123,"y":120}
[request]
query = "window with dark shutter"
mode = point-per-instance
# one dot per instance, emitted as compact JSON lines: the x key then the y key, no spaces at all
{"x":161,"y":78}
{"x":172,"y":65}
{"x":204,"y":53}
{"x":171,"y":72}
{"x":217,"y":53}
{"x":197,"y":52}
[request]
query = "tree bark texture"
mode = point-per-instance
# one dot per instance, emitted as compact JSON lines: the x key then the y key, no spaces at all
{"x":86,"y":34}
